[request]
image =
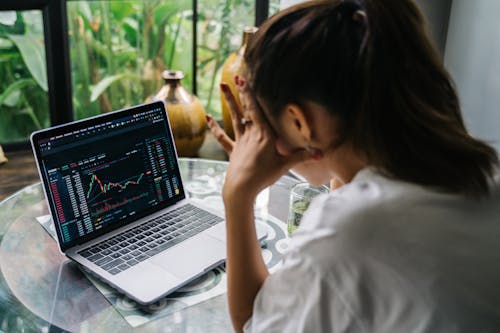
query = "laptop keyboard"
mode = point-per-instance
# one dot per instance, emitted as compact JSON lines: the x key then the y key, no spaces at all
{"x":146,"y":240}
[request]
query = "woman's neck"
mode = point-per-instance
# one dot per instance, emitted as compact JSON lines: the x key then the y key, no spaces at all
{"x":344,"y":162}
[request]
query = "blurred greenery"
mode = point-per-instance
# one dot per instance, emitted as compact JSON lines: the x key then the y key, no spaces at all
{"x":118,"y":49}
{"x":220,"y":28}
{"x":23,"y":88}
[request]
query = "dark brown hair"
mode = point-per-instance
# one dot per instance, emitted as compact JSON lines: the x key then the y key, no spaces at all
{"x":371,"y":63}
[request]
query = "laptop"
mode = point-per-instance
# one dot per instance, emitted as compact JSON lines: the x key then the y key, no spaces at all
{"x":116,"y":196}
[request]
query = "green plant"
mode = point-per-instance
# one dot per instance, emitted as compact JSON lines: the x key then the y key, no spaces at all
{"x":221,"y":24}
{"x":119,"y":49}
{"x":23,"y":89}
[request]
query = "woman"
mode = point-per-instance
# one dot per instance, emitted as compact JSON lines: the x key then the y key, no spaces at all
{"x":354,"y":91}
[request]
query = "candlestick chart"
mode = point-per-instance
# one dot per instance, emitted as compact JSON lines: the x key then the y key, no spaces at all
{"x":117,"y":186}
{"x":98,"y":187}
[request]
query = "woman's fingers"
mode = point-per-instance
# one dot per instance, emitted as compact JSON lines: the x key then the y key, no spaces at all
{"x":234,"y":109}
{"x":219,"y":134}
{"x":251,"y":108}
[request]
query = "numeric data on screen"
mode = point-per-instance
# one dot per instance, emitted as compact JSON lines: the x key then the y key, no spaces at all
{"x":106,"y":174}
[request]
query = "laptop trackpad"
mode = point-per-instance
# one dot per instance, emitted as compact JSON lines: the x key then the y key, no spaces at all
{"x":191,"y":257}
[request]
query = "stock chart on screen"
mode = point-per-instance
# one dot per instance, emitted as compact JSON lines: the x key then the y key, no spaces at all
{"x":106,"y":173}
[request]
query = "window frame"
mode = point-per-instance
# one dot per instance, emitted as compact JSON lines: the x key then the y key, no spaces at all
{"x":57,"y":57}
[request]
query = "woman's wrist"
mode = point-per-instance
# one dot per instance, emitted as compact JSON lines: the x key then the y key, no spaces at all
{"x":237,"y":199}
{"x":239,"y":192}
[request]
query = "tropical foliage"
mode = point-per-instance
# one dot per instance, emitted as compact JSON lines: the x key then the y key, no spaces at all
{"x":23,"y":88}
{"x":118,"y":50}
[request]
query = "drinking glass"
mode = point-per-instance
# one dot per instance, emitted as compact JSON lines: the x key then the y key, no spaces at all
{"x":300,"y":198}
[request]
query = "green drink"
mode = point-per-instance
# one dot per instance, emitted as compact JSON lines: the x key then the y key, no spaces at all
{"x":300,"y":198}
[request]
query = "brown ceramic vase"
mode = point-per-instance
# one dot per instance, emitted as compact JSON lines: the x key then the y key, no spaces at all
{"x":185,"y":113}
{"x":233,"y":66}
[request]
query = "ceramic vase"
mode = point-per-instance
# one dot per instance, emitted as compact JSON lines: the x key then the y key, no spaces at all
{"x":233,"y":66}
{"x":185,"y":113}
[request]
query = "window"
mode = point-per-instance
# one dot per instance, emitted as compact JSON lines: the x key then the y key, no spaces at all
{"x":120,"y":48}
{"x":23,"y":88}
{"x":220,"y":29}
{"x":108,"y":54}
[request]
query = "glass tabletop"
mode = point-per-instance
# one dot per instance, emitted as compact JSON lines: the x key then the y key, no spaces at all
{"x":42,"y":291}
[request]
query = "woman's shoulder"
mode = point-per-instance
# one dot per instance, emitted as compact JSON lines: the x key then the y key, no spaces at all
{"x":348,"y":212}
{"x":373,"y":195}
{"x":369,"y":195}
{"x":376,"y":210}
{"x":388,"y":245}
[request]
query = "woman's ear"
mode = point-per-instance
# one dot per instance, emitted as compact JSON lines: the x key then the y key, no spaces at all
{"x":297,"y":122}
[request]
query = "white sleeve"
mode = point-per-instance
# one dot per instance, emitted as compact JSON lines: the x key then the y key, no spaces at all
{"x":298,"y":299}
{"x":304,"y":295}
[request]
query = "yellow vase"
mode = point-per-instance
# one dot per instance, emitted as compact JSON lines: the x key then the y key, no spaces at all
{"x":233,"y":66}
{"x":185,"y":113}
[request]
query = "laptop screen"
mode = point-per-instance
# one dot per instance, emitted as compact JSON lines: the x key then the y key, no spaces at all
{"x":106,"y":171}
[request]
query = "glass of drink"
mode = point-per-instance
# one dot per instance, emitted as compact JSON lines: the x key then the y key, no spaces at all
{"x":300,"y":198}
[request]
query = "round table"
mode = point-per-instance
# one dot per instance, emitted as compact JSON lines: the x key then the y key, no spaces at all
{"x":42,"y":291}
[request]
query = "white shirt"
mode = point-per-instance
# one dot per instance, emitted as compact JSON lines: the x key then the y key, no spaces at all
{"x":380,"y":255}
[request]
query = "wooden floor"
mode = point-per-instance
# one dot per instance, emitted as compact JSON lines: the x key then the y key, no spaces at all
{"x":21,"y":171}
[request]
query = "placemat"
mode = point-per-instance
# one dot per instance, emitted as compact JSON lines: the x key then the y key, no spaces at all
{"x":200,"y":290}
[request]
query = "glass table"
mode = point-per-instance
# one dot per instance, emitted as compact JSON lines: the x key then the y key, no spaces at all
{"x":42,"y":291}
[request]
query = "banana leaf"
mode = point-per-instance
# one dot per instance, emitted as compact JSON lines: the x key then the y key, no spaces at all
{"x":33,"y":54}
{"x":5,"y":44}
{"x":11,"y":95}
{"x":122,"y":9}
{"x":105,"y":83}
{"x":163,"y":12}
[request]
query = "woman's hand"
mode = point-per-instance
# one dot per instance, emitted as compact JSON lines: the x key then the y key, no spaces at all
{"x":227,"y":144}
{"x":255,"y":163}
{"x":221,"y":136}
